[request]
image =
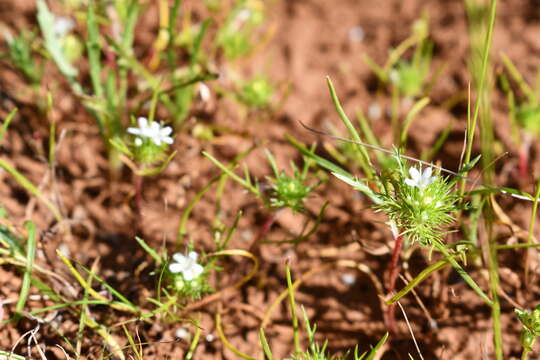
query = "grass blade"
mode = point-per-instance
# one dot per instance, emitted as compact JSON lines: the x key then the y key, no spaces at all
{"x":27,"y":277}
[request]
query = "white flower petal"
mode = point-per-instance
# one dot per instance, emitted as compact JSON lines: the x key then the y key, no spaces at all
{"x":143,"y":122}
{"x":410,"y":182}
{"x":180,"y":258}
{"x":415,"y":174}
{"x":169,"y":140}
{"x":138,"y":141}
{"x":177,"y":268}
{"x":427,"y":173}
{"x":134,"y":131}
{"x":194,"y":271}
{"x":166,"y":131}
{"x":198,"y":269}
{"x":193,"y":255}
{"x":155,"y":127}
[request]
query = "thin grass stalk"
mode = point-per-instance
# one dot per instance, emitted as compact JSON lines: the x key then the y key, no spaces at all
{"x":531,"y":230}
{"x":27,"y":277}
{"x":364,"y":157}
{"x":471,"y":123}
{"x":493,"y":268}
{"x":194,"y":343}
{"x":296,"y":332}
{"x":462,"y":272}
{"x":31,"y":188}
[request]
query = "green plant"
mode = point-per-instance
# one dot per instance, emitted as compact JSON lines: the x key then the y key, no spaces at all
{"x":314,"y":350}
{"x":530,"y":320}
{"x":22,"y":56}
{"x":256,"y":92}
{"x":237,"y":34}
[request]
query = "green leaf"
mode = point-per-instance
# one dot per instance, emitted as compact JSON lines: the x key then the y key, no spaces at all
{"x":52,"y":42}
{"x":27,"y":277}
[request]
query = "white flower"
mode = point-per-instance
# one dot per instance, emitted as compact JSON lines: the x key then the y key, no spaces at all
{"x":63,"y":25}
{"x":420,"y":179}
{"x":153,"y":131}
{"x":187,"y":265}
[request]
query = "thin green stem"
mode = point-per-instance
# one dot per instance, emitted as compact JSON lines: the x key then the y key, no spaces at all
{"x":493,"y":265}
{"x":364,"y":157}
{"x":418,"y":279}
{"x":531,"y":230}
{"x":31,"y":188}
{"x":462,"y":273}
{"x":296,"y":333}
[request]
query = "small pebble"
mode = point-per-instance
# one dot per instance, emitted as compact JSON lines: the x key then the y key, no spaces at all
{"x":374,"y":111}
{"x":182,"y":333}
{"x":357,"y":34}
{"x":348,"y":279}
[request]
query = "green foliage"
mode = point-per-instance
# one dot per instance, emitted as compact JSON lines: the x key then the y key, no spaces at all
{"x":528,"y":117}
{"x":289,"y":191}
{"x":525,"y":109}
{"x":256,"y":92}
{"x":21,"y":55}
{"x":53,"y":43}
{"x":236,"y":36}
{"x":531,"y":327}
{"x":411,"y":76}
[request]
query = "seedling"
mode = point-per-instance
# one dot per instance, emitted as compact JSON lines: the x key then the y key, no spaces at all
{"x":256,"y":93}
{"x":408,"y":77}
{"x":22,"y":55}
{"x":286,"y":192}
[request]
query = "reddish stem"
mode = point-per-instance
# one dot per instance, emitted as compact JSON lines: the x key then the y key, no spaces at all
{"x":138,"y":184}
{"x":264,"y":229}
{"x":391,"y":285}
{"x":524,"y":160}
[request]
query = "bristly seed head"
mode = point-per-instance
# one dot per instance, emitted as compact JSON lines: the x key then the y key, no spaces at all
{"x":420,"y":204}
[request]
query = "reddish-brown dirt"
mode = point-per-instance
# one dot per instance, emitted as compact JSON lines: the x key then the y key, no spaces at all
{"x":311,"y":40}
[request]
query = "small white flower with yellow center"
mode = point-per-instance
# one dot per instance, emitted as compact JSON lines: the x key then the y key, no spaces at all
{"x":420,"y":179}
{"x":186,"y":265}
{"x":154,"y":131}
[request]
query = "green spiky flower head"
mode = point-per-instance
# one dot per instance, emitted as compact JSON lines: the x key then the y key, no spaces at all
{"x":419,"y":201}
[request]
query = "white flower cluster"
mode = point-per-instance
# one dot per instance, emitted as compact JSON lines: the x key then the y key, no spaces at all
{"x":186,"y":265}
{"x":420,"y":179}
{"x":153,"y":131}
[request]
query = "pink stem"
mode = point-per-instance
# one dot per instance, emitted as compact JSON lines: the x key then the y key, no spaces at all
{"x":394,"y":271}
{"x":524,"y":160}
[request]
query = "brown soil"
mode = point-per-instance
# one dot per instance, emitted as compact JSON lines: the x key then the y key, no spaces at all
{"x":311,"y":41}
